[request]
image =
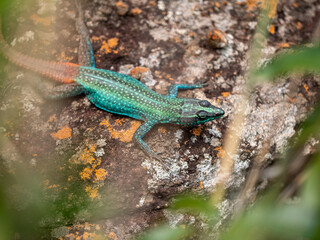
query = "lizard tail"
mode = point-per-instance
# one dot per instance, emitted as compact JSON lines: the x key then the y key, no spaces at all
{"x":62,"y":72}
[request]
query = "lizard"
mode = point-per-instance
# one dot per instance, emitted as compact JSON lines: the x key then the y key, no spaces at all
{"x":115,"y":92}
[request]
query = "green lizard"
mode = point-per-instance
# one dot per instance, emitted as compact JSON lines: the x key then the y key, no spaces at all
{"x":115,"y":92}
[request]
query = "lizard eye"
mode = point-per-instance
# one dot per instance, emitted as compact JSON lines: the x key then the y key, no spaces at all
{"x":202,"y":114}
{"x":204,"y":103}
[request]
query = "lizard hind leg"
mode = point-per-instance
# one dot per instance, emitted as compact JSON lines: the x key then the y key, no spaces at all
{"x":86,"y":56}
{"x":65,"y":91}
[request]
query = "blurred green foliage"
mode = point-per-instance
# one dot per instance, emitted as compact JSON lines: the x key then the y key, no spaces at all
{"x":298,"y":60}
{"x":32,"y":208}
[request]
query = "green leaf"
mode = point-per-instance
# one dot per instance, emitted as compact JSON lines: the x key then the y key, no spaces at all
{"x":299,"y":60}
{"x":167,"y":233}
{"x":194,"y":204}
{"x":311,"y":193}
{"x":310,"y":127}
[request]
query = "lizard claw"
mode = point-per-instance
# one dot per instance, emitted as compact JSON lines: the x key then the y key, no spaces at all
{"x":203,"y":84}
{"x":156,"y":156}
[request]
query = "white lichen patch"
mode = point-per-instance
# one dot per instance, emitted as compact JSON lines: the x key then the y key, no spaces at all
{"x":101,"y":142}
{"x":239,"y":169}
{"x":125,"y":69}
{"x":171,"y":170}
{"x":207,"y":172}
{"x":161,"y":34}
{"x":141,"y":201}
{"x":223,"y":20}
{"x":147,"y":79}
{"x":29,"y":102}
{"x":194,"y":67}
{"x":173,"y":218}
{"x":178,"y":134}
{"x":99,"y":153}
{"x":153,"y":60}
{"x":26,"y":37}
{"x":266,"y":121}
{"x":214,"y":131}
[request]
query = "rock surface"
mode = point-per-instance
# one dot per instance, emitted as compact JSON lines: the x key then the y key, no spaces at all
{"x":168,"y":41}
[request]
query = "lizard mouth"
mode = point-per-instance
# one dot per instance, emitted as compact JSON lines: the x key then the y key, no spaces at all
{"x":218,"y":112}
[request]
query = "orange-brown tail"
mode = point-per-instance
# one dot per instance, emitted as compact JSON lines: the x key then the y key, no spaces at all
{"x":62,"y":72}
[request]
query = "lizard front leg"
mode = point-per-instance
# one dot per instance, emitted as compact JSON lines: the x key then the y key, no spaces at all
{"x":140,"y":133}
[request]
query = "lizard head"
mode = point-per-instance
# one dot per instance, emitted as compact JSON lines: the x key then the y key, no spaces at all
{"x":196,"y":111}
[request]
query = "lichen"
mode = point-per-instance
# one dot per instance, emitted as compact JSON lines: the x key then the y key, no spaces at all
{"x":122,"y":135}
{"x":64,"y":132}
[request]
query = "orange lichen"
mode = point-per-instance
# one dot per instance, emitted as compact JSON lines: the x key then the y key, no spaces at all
{"x":122,"y":8}
{"x":284,"y":45}
{"x":120,"y":4}
{"x":101,"y":174}
{"x":217,"y":35}
{"x":201,"y":185}
{"x":176,"y":39}
{"x":86,"y":173}
{"x":107,"y":46}
{"x":306,"y":87}
{"x":86,"y":235}
{"x":137,"y":72}
{"x":64,"y":57}
{"x":112,"y":236}
{"x":136,"y":11}
{"x":162,"y":130}
{"x":52,"y":118}
{"x":272,"y":29}
{"x":225,"y":94}
{"x":196,"y":131}
{"x":119,"y":121}
{"x":152,"y":3}
{"x":270,"y":5}
{"x":113,"y":42}
{"x":87,"y":157}
{"x":46,"y":21}
{"x":53,"y":186}
{"x":291,"y":100}
{"x":92,"y":192}
{"x":252,"y":4}
{"x":221,"y":153}
{"x":80,"y":232}
{"x":91,"y":173}
{"x":122,"y":135}
{"x":47,"y":184}
{"x":87,"y":226}
{"x":299,"y":25}
{"x":63,"y":133}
